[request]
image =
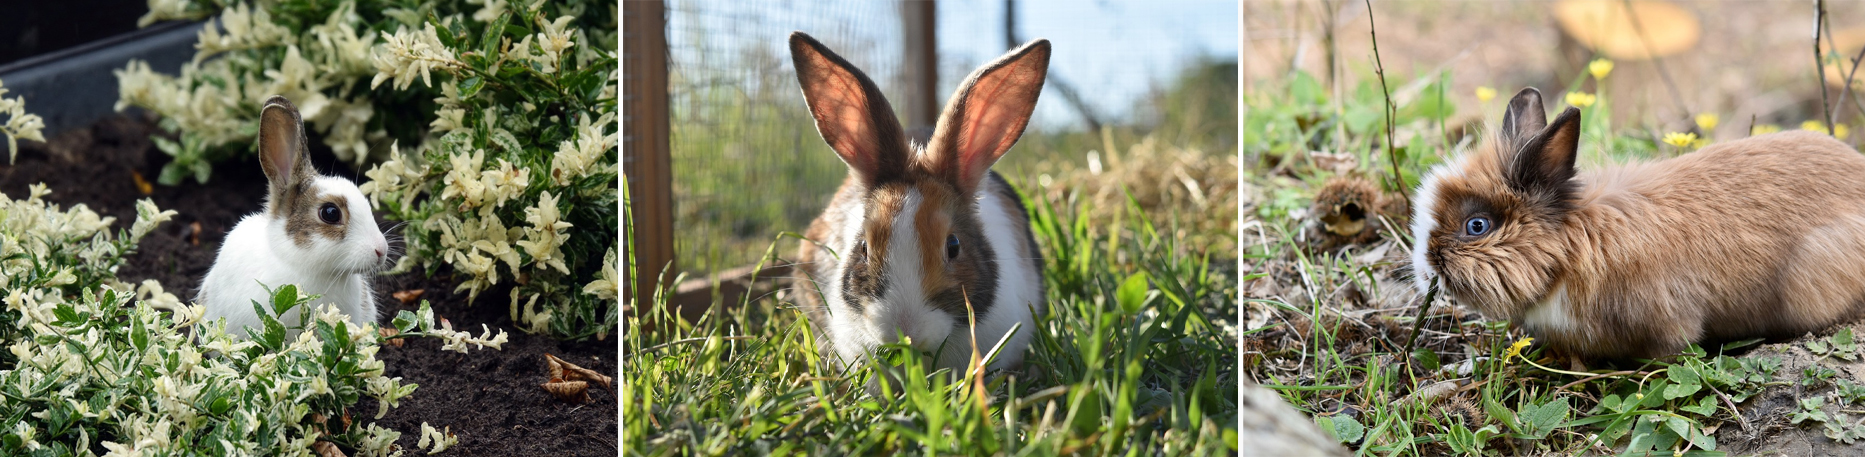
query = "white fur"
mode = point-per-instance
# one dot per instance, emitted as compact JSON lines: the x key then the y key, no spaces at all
{"x":1551,"y":315}
{"x":1422,"y":224}
{"x":258,"y":251}
{"x":903,"y":308}
{"x":1019,"y":285}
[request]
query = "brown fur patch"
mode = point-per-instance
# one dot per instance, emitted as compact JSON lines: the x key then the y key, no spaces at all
{"x":933,"y":224}
{"x":304,"y":223}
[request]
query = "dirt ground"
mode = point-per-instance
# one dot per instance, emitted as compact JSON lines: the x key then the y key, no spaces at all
{"x":1367,"y":315}
{"x":491,"y":399}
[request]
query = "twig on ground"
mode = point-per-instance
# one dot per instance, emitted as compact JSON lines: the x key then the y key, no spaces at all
{"x":1423,"y":311}
{"x":1843,"y":93}
{"x":1392,"y":149}
{"x":1819,"y":63}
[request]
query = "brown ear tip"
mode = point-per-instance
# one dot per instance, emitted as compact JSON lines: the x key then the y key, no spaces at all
{"x":1571,"y":114}
{"x":279,"y":100}
{"x":799,"y":40}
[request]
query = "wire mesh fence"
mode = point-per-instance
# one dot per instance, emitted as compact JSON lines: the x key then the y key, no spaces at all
{"x":748,"y":164}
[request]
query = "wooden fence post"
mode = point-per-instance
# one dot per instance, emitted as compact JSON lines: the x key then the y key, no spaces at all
{"x":919,"y":73}
{"x":645,"y":131}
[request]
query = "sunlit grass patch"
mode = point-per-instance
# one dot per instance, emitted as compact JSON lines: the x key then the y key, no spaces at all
{"x":1130,"y":355}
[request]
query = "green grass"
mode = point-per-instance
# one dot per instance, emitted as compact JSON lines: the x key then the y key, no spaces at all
{"x":1130,"y":356}
{"x":1333,"y":338}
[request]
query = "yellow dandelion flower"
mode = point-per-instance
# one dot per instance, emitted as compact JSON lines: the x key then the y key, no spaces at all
{"x":1839,"y":131}
{"x":1707,"y":121}
{"x":1581,"y":99}
{"x":1816,"y":126}
{"x":1680,"y":139}
{"x":1515,"y":349}
{"x":1764,"y":129}
{"x":1599,"y":68}
{"x":1485,"y":93}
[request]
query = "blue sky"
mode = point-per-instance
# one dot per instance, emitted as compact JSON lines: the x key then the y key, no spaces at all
{"x":1112,"y":51}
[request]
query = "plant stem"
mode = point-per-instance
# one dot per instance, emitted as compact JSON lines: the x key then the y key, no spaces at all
{"x":1392,"y":150}
{"x":1819,"y":63}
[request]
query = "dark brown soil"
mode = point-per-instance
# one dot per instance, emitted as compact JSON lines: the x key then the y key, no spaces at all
{"x":491,"y":399}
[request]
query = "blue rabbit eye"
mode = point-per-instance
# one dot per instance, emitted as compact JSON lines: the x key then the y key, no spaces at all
{"x":951,"y":247}
{"x":1477,"y":226}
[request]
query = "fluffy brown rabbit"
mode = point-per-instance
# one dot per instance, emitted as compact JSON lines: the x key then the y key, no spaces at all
{"x":1760,"y":237}
{"x":922,"y":240}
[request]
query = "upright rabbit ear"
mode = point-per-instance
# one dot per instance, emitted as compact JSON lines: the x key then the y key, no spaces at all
{"x":281,"y":150}
{"x":1525,"y":117}
{"x":850,"y":112}
{"x":1544,"y":164}
{"x":987,"y":114}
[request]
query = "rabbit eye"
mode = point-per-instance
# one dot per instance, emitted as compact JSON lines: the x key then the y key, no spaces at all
{"x":1477,"y":226}
{"x":951,"y":247}
{"x":329,"y":213}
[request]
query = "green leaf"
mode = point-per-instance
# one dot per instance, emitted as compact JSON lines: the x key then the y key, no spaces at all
{"x":445,"y":34}
{"x":505,"y":140}
{"x":405,"y":321}
{"x":470,"y":87}
{"x":1342,"y":427}
{"x":67,"y":315}
{"x":1543,"y":419}
{"x":1427,"y":358}
{"x":489,"y":44}
{"x":172,"y":174}
{"x":1132,"y":294}
{"x":284,"y":298}
{"x":139,"y":335}
{"x":1705,"y":407}
{"x":1306,"y":90}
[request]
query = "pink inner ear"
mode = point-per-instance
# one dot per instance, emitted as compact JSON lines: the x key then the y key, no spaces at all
{"x":276,"y":132}
{"x":841,"y":116}
{"x":990,"y":128}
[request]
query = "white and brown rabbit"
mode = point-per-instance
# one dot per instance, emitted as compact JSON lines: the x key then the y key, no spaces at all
{"x":1760,"y":237}
{"x":315,"y":231}
{"x":919,"y":233}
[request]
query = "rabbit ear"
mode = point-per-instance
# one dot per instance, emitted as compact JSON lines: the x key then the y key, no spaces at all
{"x":850,"y":112}
{"x":1525,"y":116}
{"x":987,"y":114}
{"x":1545,"y":163}
{"x":281,"y":149}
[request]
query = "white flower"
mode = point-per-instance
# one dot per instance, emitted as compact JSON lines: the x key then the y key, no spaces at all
{"x":405,"y":55}
{"x":583,"y":154}
{"x":246,"y":28}
{"x":546,"y":233}
{"x":551,"y":43}
{"x":607,"y":286}
{"x":18,"y":124}
{"x":462,"y":180}
{"x":489,"y":10}
{"x":441,"y":440}
{"x":147,"y":217}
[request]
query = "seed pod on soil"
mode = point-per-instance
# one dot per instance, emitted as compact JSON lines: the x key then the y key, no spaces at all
{"x":1347,"y":211}
{"x":569,"y":371}
{"x":575,"y":392}
{"x":326,"y":449}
